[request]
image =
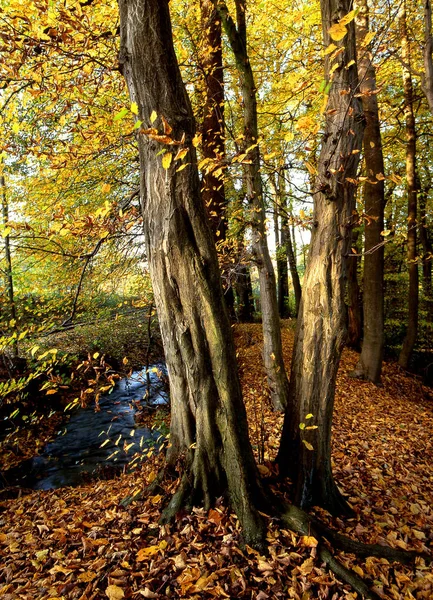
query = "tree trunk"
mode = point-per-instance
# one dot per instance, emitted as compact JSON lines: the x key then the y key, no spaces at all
{"x":412,"y":325}
{"x":370,"y":362}
{"x":353,"y":297}
{"x":291,"y":257}
{"x":427,"y":248}
{"x":277,"y":185}
{"x":244,"y":292}
{"x":208,"y":420}
{"x":9,"y":281}
{"x":427,"y":83}
{"x":213,"y":120}
{"x":272,"y":349}
{"x":305,"y":451}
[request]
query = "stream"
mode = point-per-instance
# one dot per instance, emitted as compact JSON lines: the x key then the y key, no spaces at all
{"x":96,"y":441}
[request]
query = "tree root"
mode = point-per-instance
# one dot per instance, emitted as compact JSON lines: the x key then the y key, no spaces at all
{"x":300,"y":522}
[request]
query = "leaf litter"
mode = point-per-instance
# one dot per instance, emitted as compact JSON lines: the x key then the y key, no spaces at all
{"x":80,"y":543}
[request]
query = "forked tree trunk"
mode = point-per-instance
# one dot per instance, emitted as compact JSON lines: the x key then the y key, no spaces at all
{"x":208,"y":422}
{"x":305,"y":454}
{"x":370,"y":362}
{"x":272,"y":349}
{"x":412,"y":264}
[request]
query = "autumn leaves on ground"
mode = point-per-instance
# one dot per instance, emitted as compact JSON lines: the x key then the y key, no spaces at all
{"x":80,"y":543}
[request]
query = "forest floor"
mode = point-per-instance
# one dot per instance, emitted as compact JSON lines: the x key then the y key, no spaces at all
{"x":79,"y":543}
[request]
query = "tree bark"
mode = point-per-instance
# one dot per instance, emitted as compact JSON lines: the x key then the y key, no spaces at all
{"x":209,"y":432}
{"x":413,"y":300}
{"x":427,"y":247}
{"x":370,"y":362}
{"x":272,"y":349}
{"x":305,"y":454}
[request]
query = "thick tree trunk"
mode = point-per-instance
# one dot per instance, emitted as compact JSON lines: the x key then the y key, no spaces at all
{"x":305,"y":451}
{"x":272,"y":349}
{"x":370,"y":362}
{"x":208,"y":422}
{"x":412,"y":264}
{"x":354,"y":319}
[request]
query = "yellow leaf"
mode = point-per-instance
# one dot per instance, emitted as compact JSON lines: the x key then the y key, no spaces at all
{"x":50,"y":392}
{"x":182,"y":167}
{"x":12,"y":322}
{"x":87,"y":576}
{"x":153,"y":117}
{"x":349,"y":17}
{"x":95,"y":356}
{"x":145,"y":553}
{"x":309,"y":416}
{"x":181,"y":153}
{"x":16,"y":127}
{"x":166,"y":160}
{"x":337,"y":31}
{"x":196,"y":141}
{"x":134,"y":108}
{"x":105,"y":188}
{"x":309,"y":541}
{"x":114,"y":592}
{"x":307,"y":445}
{"x":370,"y":35}
{"x":330,"y":49}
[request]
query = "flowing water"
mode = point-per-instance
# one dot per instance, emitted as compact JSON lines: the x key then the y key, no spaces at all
{"x":94,"y":442}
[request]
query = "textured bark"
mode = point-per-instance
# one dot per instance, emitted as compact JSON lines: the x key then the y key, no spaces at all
{"x":370,"y":362}
{"x":272,"y":349}
{"x":321,"y":326}
{"x":208,"y":421}
{"x":354,"y":320}
{"x":412,"y":264}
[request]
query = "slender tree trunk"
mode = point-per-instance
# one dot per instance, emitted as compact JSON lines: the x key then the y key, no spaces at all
{"x":427,"y":248}
{"x":272,"y":349}
{"x":213,"y":119}
{"x":212,"y":128}
{"x":354,"y":297}
{"x":280,"y":247}
{"x":427,"y":83}
{"x":291,"y":257}
{"x":244,"y":292}
{"x":412,"y":325}
{"x":305,"y":451}
{"x":370,"y":362}
{"x":208,"y":422}
{"x":9,"y":281}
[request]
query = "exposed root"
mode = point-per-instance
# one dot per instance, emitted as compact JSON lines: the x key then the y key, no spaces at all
{"x":177,"y":502}
{"x":347,"y":575}
{"x":299,"y":521}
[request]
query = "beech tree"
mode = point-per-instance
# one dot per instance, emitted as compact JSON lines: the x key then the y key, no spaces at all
{"x":305,"y":450}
